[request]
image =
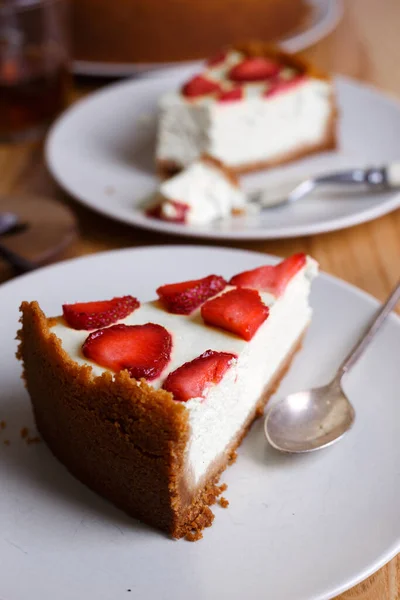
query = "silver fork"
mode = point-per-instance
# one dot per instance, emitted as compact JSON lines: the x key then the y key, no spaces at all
{"x":374,"y":178}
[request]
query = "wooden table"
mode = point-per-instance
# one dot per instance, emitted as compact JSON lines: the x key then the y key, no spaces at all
{"x":366,"y":45}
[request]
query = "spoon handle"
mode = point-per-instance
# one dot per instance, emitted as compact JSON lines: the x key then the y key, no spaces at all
{"x":370,"y":332}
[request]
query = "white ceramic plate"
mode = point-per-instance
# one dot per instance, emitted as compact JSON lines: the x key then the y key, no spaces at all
{"x":101,"y":151}
{"x":324,"y":18}
{"x":297,"y":527}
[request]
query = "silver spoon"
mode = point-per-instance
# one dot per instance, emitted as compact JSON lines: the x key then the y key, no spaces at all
{"x":309,"y":420}
{"x":375,"y":178}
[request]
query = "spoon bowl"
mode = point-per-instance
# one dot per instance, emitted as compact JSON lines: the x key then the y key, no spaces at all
{"x":312,"y":419}
{"x":309,"y":420}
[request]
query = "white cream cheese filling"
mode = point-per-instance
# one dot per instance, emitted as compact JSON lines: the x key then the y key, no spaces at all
{"x":217,"y":419}
{"x":255,"y":129}
{"x":206,"y":191}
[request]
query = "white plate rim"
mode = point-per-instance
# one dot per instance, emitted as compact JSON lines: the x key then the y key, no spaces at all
{"x":371,"y":300}
{"x":139,"y":220}
{"x":270,"y":258}
{"x":329,"y":13}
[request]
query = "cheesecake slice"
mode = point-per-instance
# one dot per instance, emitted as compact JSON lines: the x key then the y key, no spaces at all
{"x":251,"y":107}
{"x":204,"y":191}
{"x":147,"y":403}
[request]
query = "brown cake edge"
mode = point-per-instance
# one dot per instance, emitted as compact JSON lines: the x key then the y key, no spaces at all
{"x":109,"y":431}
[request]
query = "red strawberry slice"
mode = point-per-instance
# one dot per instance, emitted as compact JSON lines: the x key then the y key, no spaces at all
{"x":144,"y":350}
{"x":183,"y":298}
{"x":193,"y":378}
{"x":216,"y":60}
{"x":92,"y":315}
{"x":239,"y":311}
{"x":254,"y":69}
{"x":283,"y":85}
{"x":230,"y":95}
{"x":181,"y":210}
{"x":200,"y":86}
{"x":154,"y":211}
{"x":273,"y":279}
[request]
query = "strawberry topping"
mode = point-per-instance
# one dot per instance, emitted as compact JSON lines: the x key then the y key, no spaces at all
{"x":180,"y":209}
{"x":254,"y":69}
{"x":239,"y":311}
{"x":272,"y":279}
{"x":230,"y":95}
{"x":92,"y":315}
{"x":144,"y":350}
{"x":183,"y":298}
{"x":154,"y":211}
{"x":200,"y":86}
{"x":192,"y":379}
{"x":217,"y":59}
{"x":283,"y":85}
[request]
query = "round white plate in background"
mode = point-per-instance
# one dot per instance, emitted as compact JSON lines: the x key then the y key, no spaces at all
{"x":297,"y":527}
{"x":325,"y":16}
{"x":101,"y":151}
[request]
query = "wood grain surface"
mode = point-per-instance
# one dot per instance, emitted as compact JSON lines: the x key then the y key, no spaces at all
{"x":366,"y":46}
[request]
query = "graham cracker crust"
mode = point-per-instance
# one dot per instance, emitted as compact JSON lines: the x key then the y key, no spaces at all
{"x":122,"y":438}
{"x":228,"y":173}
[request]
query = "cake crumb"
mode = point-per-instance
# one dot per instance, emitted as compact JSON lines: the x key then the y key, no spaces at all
{"x":33,"y":440}
{"x":222,"y":488}
{"x":6,"y":442}
{"x":232,"y":458}
{"x":193,"y":536}
{"x":109,"y":190}
{"x":203,"y":520}
{"x":3,"y":424}
{"x":24,"y":432}
{"x":223,"y":502}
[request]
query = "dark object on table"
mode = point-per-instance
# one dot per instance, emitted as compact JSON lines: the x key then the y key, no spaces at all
{"x":44,"y":229}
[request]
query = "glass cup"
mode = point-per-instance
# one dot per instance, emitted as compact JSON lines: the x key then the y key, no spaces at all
{"x":34,"y":77}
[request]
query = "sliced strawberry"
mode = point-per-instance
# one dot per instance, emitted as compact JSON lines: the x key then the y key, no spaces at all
{"x":255,"y":68}
{"x":230,"y":95}
{"x":144,"y":350}
{"x":272,"y":279}
{"x":217,"y":59}
{"x":283,"y":85}
{"x":183,"y":298}
{"x":181,"y":210}
{"x":192,"y":379}
{"x":239,"y":311}
{"x":200,"y":86}
{"x":92,"y":315}
{"x":154,"y":211}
